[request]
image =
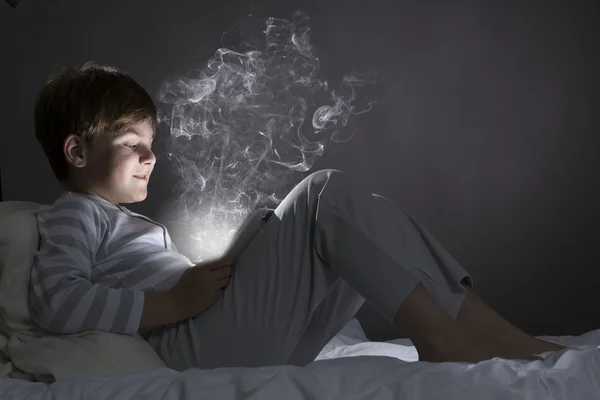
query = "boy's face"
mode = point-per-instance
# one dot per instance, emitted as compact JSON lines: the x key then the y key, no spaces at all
{"x":118,"y":168}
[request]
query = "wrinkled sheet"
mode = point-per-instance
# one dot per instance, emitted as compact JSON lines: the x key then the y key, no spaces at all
{"x":351,"y":367}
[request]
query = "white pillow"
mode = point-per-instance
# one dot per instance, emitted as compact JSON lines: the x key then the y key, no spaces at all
{"x":41,"y":353}
{"x":18,"y":242}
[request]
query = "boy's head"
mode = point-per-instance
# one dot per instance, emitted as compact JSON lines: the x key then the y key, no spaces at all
{"x":96,"y":125}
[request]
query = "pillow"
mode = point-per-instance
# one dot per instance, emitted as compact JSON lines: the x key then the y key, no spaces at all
{"x":18,"y":242}
{"x":13,"y":301}
{"x":41,"y":353}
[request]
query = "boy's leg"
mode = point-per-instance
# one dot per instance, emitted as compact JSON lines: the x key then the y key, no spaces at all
{"x":326,"y":228}
{"x":395,"y":251}
{"x":485,"y":324}
{"x":340,"y":306}
{"x":277,"y":284}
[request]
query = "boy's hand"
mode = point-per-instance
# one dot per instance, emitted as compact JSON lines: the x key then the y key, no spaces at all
{"x":200,"y":287}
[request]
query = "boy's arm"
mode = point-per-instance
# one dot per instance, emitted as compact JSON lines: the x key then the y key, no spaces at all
{"x":163,"y":308}
{"x":62,"y":297}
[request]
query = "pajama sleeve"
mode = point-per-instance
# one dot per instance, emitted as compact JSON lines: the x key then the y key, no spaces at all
{"x":62,"y":297}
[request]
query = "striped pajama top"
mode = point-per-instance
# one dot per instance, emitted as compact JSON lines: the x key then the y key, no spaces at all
{"x":94,"y":262}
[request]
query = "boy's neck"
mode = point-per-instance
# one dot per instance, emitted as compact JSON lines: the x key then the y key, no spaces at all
{"x":73,"y":187}
{"x":90,"y":195}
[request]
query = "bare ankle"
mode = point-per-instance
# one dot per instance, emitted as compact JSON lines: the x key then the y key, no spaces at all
{"x":424,"y":321}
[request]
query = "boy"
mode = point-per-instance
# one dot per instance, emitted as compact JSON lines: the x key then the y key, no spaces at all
{"x":328,"y":246}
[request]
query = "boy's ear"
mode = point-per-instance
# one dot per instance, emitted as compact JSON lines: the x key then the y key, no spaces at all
{"x":75,"y":151}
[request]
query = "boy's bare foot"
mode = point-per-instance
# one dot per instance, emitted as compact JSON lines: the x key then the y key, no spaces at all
{"x":549,"y":346}
{"x":523,"y":349}
{"x":462,"y":351}
{"x":531,"y":346}
{"x":473,"y":351}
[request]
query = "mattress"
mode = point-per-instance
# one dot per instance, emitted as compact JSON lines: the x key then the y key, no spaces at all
{"x":352,"y":367}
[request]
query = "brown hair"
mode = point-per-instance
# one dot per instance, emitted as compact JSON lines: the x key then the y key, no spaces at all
{"x":87,"y":100}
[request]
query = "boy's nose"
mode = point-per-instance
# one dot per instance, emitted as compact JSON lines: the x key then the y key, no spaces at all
{"x":149,"y":158}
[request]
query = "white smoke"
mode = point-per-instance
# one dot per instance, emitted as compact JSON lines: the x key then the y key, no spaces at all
{"x":238,"y":131}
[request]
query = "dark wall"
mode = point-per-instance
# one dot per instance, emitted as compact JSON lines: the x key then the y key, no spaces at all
{"x":486,"y":126}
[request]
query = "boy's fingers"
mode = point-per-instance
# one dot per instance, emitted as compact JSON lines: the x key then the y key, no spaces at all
{"x":220,"y":266}
{"x":222,"y":272}
{"x":223,"y":283}
{"x":219,"y":286}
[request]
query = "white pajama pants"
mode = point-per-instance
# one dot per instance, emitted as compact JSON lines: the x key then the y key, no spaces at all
{"x":329,"y":246}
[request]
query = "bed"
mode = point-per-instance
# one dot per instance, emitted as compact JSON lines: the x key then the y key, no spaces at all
{"x":348,"y":367}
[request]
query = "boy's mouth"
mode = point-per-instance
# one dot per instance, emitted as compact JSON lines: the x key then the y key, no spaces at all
{"x":141,"y":177}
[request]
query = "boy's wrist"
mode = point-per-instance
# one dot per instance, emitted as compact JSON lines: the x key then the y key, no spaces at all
{"x":179,"y":305}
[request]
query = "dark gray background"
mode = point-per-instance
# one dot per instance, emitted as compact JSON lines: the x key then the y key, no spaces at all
{"x":486,"y":126}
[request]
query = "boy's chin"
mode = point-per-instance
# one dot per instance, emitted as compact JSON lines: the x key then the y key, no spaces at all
{"x":135,"y":198}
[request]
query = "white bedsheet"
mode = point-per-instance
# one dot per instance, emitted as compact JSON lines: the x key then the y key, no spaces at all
{"x":350,"y":367}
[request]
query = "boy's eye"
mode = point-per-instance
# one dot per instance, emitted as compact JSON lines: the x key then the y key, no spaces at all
{"x":131,"y":146}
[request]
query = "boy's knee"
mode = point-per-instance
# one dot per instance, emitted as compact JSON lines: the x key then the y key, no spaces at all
{"x":328,"y":176}
{"x":331,"y":181}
